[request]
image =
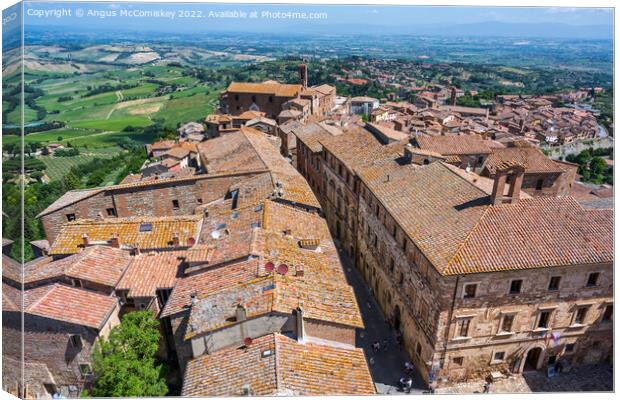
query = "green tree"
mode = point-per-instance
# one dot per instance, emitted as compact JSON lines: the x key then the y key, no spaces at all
{"x":124,"y":364}
{"x":71,"y":181}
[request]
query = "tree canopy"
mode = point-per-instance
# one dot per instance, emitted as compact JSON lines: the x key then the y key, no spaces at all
{"x":124,"y":364}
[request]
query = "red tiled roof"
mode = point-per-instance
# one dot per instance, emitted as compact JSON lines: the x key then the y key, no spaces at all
{"x":530,"y":157}
{"x":208,"y":282}
{"x":455,"y":144}
{"x":159,"y":236}
{"x":99,"y":264}
{"x":277,"y":365}
{"x":11,"y":269}
{"x":276,"y":89}
{"x":73,"y":305}
{"x":11,"y":298}
{"x":151,"y":271}
{"x":536,"y":233}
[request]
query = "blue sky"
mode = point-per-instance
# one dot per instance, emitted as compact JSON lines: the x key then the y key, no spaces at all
{"x":340,"y":17}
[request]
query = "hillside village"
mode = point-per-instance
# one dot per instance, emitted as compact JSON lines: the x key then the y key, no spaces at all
{"x":486,"y":257}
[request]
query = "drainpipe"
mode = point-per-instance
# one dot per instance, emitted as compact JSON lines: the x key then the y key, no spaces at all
{"x":301,"y":334}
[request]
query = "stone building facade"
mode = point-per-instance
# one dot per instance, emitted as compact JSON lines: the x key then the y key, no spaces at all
{"x":164,"y":197}
{"x":467,"y":297}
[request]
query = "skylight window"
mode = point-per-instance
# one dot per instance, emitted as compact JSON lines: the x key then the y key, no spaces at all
{"x":146,"y":227}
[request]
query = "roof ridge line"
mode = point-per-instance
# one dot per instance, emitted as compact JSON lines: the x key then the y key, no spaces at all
{"x":243,"y":129}
{"x":469,"y":235}
{"x":443,"y":164}
{"x":41,"y":298}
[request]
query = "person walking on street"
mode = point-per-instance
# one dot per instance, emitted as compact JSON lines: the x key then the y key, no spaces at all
{"x":405,"y":383}
{"x":408,"y":367}
{"x":376,"y":346}
{"x":486,"y":387}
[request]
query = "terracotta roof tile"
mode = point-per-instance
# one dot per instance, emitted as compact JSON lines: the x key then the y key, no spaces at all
{"x":226,"y":372}
{"x":285,"y":177}
{"x":277,"y":365}
{"x":11,"y":298}
{"x":455,"y":144}
{"x":151,"y":271}
{"x":530,"y":157}
{"x":536,"y":233}
{"x":177,"y":152}
{"x":207,"y":283}
{"x":146,"y":232}
{"x":11,"y":269}
{"x":73,"y":305}
{"x":276,"y":89}
{"x":280,"y":218}
{"x":99,"y":264}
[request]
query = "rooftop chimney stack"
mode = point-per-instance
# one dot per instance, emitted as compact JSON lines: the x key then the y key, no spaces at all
{"x":85,"y":240}
{"x":175,"y":240}
{"x":513,"y":170}
{"x":114,"y":241}
{"x":240,"y":313}
{"x":303,"y":75}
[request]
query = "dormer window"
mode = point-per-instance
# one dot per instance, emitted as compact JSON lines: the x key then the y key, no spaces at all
{"x":146,"y":227}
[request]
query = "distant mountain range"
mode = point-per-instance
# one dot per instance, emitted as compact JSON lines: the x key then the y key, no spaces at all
{"x":482,"y":29}
{"x":486,"y":29}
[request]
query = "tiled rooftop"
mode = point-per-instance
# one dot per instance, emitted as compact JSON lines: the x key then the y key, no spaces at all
{"x":536,"y":233}
{"x":447,"y":213}
{"x":456,"y":144}
{"x":99,"y":264}
{"x":310,"y":277}
{"x":311,"y":134}
{"x":277,"y":365}
{"x":73,"y":305}
{"x":151,"y":271}
{"x":145,"y":232}
{"x":11,"y":269}
{"x":276,"y":89}
{"x":532,"y":159}
{"x":208,"y":282}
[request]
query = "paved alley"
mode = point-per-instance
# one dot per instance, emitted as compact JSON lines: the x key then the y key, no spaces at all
{"x":387,"y":364}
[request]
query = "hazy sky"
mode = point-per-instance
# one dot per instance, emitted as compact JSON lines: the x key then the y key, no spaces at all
{"x":77,"y":15}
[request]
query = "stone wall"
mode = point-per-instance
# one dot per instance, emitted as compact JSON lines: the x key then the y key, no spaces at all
{"x":328,"y":331}
{"x":271,"y":105}
{"x":149,"y":200}
{"x":48,"y":341}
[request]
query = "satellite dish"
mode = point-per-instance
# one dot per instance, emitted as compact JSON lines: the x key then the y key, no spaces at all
{"x":269,"y":266}
{"x":191,"y":241}
{"x":247,"y":341}
{"x":215,"y":234}
{"x":282,"y":269}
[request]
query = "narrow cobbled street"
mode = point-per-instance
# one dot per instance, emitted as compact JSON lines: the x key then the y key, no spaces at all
{"x":387,"y":365}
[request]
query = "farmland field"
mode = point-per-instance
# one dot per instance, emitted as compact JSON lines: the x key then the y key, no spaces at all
{"x":57,"y":167}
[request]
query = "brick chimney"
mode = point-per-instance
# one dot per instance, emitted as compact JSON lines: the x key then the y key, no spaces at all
{"x":303,"y":75}
{"x":175,"y":240}
{"x":515,"y":172}
{"x":114,"y":241}
{"x":85,"y":239}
